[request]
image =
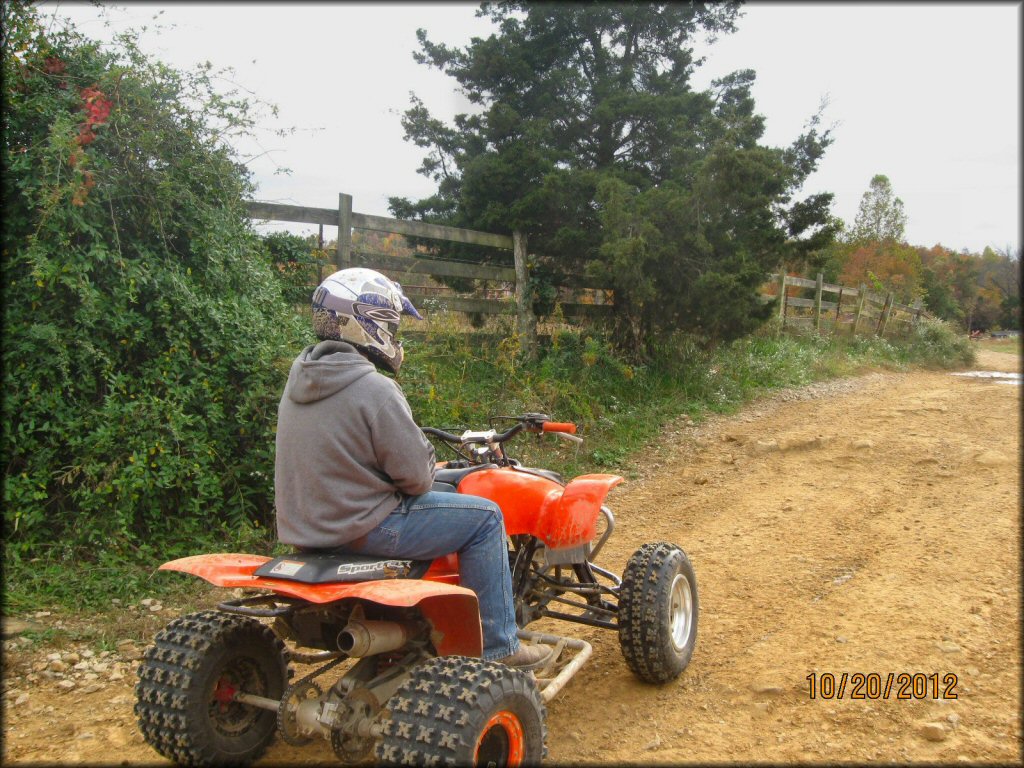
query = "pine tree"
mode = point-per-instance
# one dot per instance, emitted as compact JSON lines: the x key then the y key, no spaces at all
{"x":591,"y":139}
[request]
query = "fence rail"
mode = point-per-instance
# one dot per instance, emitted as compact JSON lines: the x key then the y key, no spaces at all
{"x":856,"y":308}
{"x":866,"y":311}
{"x":511,"y":296}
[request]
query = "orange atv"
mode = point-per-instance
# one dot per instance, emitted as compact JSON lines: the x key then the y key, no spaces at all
{"x":406,"y":638}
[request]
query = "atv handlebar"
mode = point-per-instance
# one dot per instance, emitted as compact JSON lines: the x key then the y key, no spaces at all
{"x":448,"y":437}
{"x":530,"y":422}
{"x":559,"y":426}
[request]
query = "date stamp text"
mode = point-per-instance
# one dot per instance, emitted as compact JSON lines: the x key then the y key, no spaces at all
{"x":875,"y":685}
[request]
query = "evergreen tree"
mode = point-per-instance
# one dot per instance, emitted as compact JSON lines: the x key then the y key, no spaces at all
{"x":591,"y":139}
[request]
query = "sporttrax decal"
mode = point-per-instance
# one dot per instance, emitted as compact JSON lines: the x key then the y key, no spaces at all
{"x":388,"y":566}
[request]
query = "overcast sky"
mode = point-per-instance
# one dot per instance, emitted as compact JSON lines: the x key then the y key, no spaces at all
{"x":927,"y":94}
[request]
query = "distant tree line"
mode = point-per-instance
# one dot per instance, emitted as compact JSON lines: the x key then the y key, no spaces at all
{"x":975,"y":291}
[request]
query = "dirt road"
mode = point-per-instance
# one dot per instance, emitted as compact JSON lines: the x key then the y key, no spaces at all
{"x":863,"y":526}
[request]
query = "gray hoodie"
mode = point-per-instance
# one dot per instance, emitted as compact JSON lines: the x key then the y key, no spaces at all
{"x":347,"y":448}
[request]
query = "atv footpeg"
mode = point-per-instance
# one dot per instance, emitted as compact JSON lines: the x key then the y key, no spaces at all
{"x":568,"y":656}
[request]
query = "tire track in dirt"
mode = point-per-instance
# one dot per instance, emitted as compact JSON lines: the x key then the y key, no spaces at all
{"x":865,"y":525}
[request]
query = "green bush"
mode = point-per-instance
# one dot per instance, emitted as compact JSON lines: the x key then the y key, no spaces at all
{"x":939,"y":344}
{"x":294,"y":259}
{"x":145,"y":337}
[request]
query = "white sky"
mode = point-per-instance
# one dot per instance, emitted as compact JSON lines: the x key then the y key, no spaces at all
{"x":927,"y":94}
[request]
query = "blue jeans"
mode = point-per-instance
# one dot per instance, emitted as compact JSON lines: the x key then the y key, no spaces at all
{"x":437,"y":524}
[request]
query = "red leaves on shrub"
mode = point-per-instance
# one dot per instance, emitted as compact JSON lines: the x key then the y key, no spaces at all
{"x":83,"y":191}
{"x":97,"y":109}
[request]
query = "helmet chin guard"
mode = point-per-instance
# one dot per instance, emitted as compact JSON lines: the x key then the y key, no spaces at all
{"x":362,"y":307}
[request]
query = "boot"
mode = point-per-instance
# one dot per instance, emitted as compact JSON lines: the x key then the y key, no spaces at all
{"x":528,"y":657}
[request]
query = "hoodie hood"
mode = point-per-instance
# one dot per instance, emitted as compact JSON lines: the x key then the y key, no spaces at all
{"x":323,"y":369}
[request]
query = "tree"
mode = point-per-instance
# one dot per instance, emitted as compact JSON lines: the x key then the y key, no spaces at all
{"x":144,"y":330}
{"x":977,"y":290}
{"x":893,"y":267}
{"x":880,"y":217}
{"x":591,"y":139}
{"x":999,"y":288}
{"x":943,"y":286}
{"x":874,"y":251}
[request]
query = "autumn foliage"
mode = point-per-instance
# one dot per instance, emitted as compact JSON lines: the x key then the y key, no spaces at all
{"x":974,"y":290}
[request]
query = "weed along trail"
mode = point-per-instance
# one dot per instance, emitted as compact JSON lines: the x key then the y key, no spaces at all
{"x":857,"y":550}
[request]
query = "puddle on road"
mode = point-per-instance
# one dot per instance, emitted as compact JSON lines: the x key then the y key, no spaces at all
{"x":1001,"y":376}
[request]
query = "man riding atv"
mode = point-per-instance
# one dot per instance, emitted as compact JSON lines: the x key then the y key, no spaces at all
{"x":354,"y":472}
{"x":395,"y":633}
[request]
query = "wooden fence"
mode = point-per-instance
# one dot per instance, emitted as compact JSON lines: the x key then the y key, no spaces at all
{"x":502,"y":290}
{"x":856,"y":310}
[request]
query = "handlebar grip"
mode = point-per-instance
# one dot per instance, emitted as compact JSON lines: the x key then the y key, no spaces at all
{"x":559,"y":426}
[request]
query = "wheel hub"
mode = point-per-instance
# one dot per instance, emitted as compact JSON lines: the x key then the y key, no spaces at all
{"x":680,"y":611}
{"x":228,"y":716}
{"x":287,"y":713}
{"x":348,"y":745}
{"x":502,"y":741}
{"x":225,"y":692}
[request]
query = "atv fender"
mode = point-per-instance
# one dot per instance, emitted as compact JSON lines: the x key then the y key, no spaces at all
{"x":571,"y":519}
{"x":452,"y":610}
{"x":560,"y":517}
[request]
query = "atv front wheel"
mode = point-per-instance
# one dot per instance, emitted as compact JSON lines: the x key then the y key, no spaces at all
{"x":187,"y":680}
{"x":658,"y":612}
{"x":461,"y":711}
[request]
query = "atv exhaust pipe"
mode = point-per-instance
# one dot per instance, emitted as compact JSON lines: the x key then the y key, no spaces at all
{"x":365,"y":638}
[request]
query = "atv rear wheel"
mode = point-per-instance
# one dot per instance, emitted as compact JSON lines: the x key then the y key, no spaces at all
{"x":658,"y":612}
{"x":187,"y":680}
{"x":462,"y":711}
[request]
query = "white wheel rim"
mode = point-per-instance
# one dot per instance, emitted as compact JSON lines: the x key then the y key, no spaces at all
{"x":680,"y":611}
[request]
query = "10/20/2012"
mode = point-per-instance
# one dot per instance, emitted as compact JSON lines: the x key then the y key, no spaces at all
{"x":875,"y":685}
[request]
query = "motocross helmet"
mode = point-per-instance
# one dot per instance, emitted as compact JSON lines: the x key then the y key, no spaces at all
{"x":362,"y":307}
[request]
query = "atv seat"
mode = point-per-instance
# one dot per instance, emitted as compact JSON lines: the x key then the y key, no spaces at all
{"x":448,"y":478}
{"x":334,"y":567}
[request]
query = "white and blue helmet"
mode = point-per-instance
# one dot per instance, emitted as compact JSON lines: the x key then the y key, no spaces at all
{"x":362,"y":307}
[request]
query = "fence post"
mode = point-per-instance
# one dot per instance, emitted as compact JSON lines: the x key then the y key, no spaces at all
{"x":839,"y":304}
{"x":319,"y":252}
{"x":884,"y":319}
{"x":817,"y":302}
{"x":343,"y":256}
{"x":861,"y":295}
{"x":782,"y":295}
{"x":918,"y":309}
{"x":526,"y":321}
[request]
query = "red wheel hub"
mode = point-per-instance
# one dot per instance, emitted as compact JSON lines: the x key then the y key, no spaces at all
{"x":509,"y":730}
{"x":225,"y":692}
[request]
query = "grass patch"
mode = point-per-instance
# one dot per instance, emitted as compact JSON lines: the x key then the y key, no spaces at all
{"x":456,"y":381}
{"x":1007,"y":346}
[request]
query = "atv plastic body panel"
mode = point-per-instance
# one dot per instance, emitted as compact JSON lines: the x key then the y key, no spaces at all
{"x":560,"y":516}
{"x":453,"y":611}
